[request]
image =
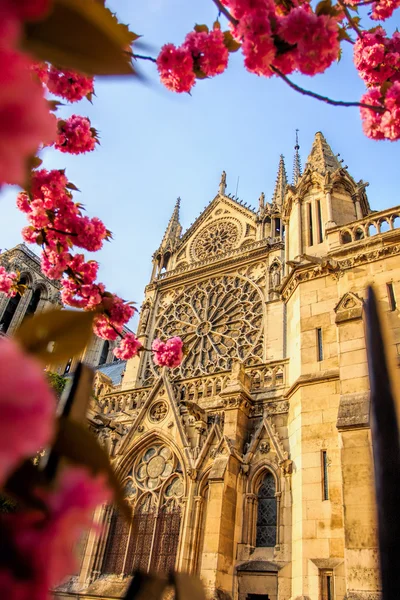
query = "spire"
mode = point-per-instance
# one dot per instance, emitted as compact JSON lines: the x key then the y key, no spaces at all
{"x":281,"y":183}
{"x":296,"y":161}
{"x":321,"y":157}
{"x":174,"y":228}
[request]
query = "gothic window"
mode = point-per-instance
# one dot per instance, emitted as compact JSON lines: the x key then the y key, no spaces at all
{"x":104,"y":353}
{"x":220,"y":319}
{"x":155,"y":488}
{"x":266,"y":513}
{"x":216,"y":239}
{"x":33,"y":304}
{"x":11,"y":309}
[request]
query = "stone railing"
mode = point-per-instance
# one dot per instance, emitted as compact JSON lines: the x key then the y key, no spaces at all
{"x":374,"y":224}
{"x":265,"y":377}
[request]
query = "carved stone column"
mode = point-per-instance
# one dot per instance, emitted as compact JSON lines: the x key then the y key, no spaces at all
{"x":328,"y":198}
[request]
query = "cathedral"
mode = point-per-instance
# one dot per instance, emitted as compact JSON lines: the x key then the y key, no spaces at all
{"x":250,"y":465}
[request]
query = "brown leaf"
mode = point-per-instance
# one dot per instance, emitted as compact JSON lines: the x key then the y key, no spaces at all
{"x":145,"y":587}
{"x":323,"y":8}
{"x":83,"y":36}
{"x":200,"y":28}
{"x":187,"y":586}
{"x":75,"y":443}
{"x":230,"y":43}
{"x":70,"y":330}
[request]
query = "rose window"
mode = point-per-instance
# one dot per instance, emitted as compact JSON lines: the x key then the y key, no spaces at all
{"x":219,"y":320}
{"x":218,"y":238}
{"x":154,"y":466}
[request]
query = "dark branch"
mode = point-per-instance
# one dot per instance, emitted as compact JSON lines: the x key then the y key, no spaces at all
{"x":223,"y":10}
{"x":301,"y":90}
{"x":142,"y":57}
{"x":350,"y":18}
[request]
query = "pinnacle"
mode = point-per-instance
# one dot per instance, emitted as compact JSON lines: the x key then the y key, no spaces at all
{"x":281,"y":183}
{"x":296,"y":161}
{"x":174,"y":227}
{"x":321,"y":157}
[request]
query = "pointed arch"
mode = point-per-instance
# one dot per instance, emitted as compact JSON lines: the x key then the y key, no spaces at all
{"x":155,"y":486}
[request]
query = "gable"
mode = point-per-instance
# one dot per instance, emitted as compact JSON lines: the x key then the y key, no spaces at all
{"x":224,"y":225}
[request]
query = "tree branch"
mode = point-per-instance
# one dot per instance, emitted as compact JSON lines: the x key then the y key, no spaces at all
{"x":222,"y":9}
{"x":350,"y":18}
{"x":301,"y":90}
{"x":142,"y":57}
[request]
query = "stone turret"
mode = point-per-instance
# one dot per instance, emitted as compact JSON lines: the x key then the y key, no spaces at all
{"x":280,"y":184}
{"x":168,"y":244}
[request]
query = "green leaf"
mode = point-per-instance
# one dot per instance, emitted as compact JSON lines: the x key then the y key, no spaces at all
{"x":83,"y":36}
{"x":199,"y":73}
{"x":75,"y":443}
{"x":343,"y":35}
{"x":70,"y":330}
{"x":200,"y":28}
{"x":54,"y":104}
{"x":230,"y":43}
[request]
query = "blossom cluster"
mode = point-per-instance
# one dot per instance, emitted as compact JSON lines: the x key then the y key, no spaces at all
{"x":25,"y":120}
{"x":385,"y":124}
{"x":169,"y":353}
{"x":66,"y":84}
{"x":377,"y":59}
{"x":203,"y":53}
{"x":383,"y":9}
{"x":8,"y":282}
{"x":271,"y":36}
{"x":45,"y":541}
{"x":75,"y":135}
{"x":129,"y":347}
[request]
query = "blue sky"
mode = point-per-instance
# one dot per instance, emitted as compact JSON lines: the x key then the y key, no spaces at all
{"x":156,"y":145}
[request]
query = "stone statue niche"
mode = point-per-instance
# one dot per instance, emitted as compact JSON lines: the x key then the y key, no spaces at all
{"x":275,"y":278}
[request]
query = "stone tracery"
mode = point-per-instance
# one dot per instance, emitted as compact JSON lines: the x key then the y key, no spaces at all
{"x":219,"y":320}
{"x":216,"y":239}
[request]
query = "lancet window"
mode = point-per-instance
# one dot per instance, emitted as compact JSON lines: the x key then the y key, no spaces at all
{"x":155,"y":488}
{"x":266,"y":512}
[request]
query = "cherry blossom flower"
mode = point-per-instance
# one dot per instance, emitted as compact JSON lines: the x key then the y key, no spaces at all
{"x":8,"y":282}
{"x":25,"y":120}
{"x":382,"y":125}
{"x":27,"y":407}
{"x":208,"y":51}
{"x":69,"y":85}
{"x":46,"y":542}
{"x":169,"y":353}
{"x":75,"y":135}
{"x":128,"y":347}
{"x":377,"y":57}
{"x":383,"y":9}
{"x":175,"y":66}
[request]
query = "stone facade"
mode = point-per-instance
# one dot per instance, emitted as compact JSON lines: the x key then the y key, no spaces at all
{"x":251,"y":464}
{"x":43,"y":294}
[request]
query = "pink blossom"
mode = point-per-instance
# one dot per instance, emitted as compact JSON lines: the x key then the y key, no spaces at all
{"x":169,"y":353}
{"x":128,"y":347}
{"x":8,"y":282}
{"x":27,"y":10}
{"x":41,"y":70}
{"x":386,"y":124}
{"x":377,"y":57}
{"x":46,"y":541}
{"x":27,"y":407}
{"x":208,"y":51}
{"x":175,"y":66}
{"x":258,"y":45}
{"x":383,"y":9}
{"x":316,"y":39}
{"x":25,"y":120}
{"x":69,"y":85}
{"x":75,"y":135}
